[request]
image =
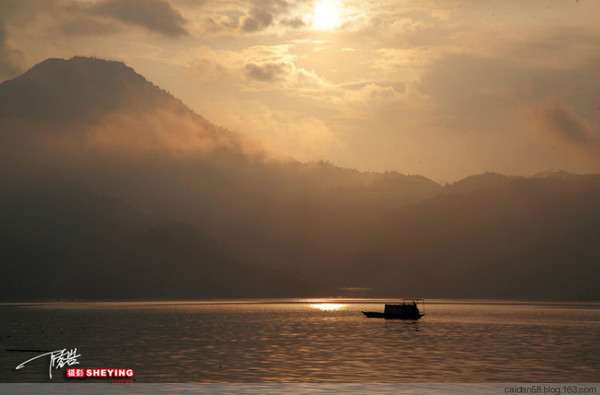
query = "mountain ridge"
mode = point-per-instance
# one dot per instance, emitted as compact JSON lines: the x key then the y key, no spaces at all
{"x":286,"y":228}
{"x":82,"y":88}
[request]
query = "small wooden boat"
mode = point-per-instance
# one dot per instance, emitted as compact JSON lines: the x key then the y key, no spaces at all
{"x":407,"y":310}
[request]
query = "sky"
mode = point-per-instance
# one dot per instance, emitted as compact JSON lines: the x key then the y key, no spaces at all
{"x":440,"y":88}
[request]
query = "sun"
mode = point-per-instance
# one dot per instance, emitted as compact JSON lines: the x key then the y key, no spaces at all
{"x":326,"y":15}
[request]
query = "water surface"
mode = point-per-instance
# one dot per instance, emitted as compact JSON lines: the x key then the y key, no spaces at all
{"x":308,"y":341}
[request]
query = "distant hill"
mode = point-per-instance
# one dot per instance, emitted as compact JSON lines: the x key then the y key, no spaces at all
{"x":480,"y":182}
{"x":63,"y":241}
{"x":554,"y":173}
{"x":529,"y":238}
{"x":112,"y":188}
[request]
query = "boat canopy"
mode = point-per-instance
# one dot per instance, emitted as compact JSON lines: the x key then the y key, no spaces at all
{"x":407,"y":304}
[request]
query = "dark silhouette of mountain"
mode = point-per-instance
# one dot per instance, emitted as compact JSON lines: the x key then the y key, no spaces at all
{"x":61,"y":240}
{"x":480,"y":182}
{"x":111,"y":188}
{"x":554,"y":173}
{"x":530,"y":238}
{"x":80,"y":88}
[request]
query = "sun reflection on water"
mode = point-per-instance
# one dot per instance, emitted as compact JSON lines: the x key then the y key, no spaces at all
{"x":327,"y":306}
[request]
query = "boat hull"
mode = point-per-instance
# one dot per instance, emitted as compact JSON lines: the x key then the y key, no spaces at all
{"x":388,"y":316}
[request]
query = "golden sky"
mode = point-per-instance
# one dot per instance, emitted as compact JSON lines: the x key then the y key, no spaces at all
{"x":442,"y":88}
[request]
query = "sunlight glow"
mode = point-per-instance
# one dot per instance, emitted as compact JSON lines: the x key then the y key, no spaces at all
{"x":326,"y":15}
{"x":327,"y":306}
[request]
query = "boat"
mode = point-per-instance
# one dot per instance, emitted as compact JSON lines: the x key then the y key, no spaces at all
{"x":407,"y":310}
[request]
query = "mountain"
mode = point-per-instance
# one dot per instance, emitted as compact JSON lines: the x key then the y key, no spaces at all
{"x":80,"y":89}
{"x":63,"y":241}
{"x":139,"y":137}
{"x":112,"y":188}
{"x":553,"y":173}
{"x":529,"y":238}
{"x":480,"y":182}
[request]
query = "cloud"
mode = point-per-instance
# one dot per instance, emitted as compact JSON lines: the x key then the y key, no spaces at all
{"x":72,"y":18}
{"x":372,"y":92}
{"x":239,"y":18}
{"x":457,"y":73}
{"x":282,"y":133}
{"x":13,"y":14}
{"x":257,"y":19}
{"x":260,"y":63}
{"x":93,"y":18}
{"x":254,"y":68}
{"x":155,"y":15}
{"x":376,"y":99}
{"x":268,"y":71}
{"x":570,"y":138}
{"x":557,"y":120}
{"x":21,"y":12}
{"x":285,"y":73}
{"x":88,"y":25}
{"x":295,"y":23}
{"x":154,"y":132}
{"x":11,"y":59}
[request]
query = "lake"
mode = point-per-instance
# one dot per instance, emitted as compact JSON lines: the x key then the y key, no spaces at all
{"x":307,"y":340}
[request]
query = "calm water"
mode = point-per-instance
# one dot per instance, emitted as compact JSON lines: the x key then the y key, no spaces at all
{"x":308,"y":341}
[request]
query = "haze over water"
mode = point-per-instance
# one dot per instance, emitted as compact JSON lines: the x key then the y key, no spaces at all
{"x":310,"y":340}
